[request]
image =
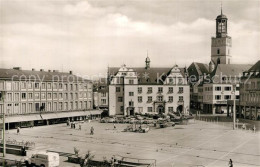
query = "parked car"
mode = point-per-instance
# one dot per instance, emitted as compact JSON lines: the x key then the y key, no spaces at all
{"x":43,"y":159}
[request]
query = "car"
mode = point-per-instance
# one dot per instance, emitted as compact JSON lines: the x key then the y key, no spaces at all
{"x":43,"y":159}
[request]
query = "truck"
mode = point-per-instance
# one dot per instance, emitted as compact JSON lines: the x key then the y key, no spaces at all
{"x":43,"y":159}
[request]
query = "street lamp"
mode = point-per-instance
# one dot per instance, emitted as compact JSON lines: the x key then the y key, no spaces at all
{"x":3,"y":139}
{"x":234,"y":107}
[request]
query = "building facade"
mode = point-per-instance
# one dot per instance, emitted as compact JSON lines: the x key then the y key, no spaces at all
{"x":25,"y":92}
{"x":148,"y":90}
{"x":249,"y":104}
{"x":101,"y":94}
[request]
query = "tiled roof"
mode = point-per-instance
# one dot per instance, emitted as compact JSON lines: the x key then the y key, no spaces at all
{"x":15,"y":74}
{"x":255,"y":67}
{"x":198,"y":69}
{"x":230,"y":70}
{"x":148,"y":76}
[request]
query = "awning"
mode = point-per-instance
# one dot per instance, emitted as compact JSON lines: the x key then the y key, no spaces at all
{"x":46,"y":116}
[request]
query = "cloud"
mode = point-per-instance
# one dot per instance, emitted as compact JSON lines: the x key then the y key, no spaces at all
{"x":87,"y":36}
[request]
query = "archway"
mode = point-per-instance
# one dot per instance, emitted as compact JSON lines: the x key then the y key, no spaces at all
{"x":180,"y":109}
{"x":160,"y":109}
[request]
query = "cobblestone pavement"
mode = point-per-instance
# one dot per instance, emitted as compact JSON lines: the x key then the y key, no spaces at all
{"x":196,"y":144}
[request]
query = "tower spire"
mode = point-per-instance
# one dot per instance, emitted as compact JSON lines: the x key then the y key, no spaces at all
{"x":221,"y":7}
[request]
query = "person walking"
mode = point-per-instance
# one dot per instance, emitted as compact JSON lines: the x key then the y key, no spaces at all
{"x":230,"y":164}
{"x":92,"y":130}
{"x":79,"y":127}
{"x":114,"y":126}
{"x":18,"y":130}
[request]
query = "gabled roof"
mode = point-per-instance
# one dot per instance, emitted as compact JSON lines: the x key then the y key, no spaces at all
{"x":17,"y":74}
{"x":198,"y":69}
{"x":230,"y":70}
{"x":149,"y":75}
{"x":255,"y":67}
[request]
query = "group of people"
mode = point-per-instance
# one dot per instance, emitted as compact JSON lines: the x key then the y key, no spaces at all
{"x":73,"y":126}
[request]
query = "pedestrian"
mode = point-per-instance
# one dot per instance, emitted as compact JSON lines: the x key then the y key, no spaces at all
{"x":244,"y":126}
{"x":230,"y":164}
{"x":18,"y":130}
{"x":79,"y":127}
{"x":254,"y":128}
{"x":114,"y":126}
{"x":92,"y":130}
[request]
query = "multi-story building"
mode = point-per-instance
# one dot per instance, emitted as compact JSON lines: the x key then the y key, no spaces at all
{"x":148,"y":90}
{"x":36,"y":96}
{"x":249,"y":103}
{"x":101,"y":94}
{"x":218,"y":82}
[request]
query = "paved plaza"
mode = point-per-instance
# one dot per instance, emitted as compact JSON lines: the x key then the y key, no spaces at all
{"x":196,"y":144}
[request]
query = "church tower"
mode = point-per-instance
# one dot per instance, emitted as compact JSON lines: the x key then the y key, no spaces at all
{"x":221,"y":44}
{"x":147,"y":62}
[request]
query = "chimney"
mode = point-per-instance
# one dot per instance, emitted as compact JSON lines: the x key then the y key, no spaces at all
{"x":55,"y":70}
{"x":41,"y":70}
{"x":17,"y":68}
{"x":49,"y":70}
{"x":33,"y":69}
{"x":71,"y":72}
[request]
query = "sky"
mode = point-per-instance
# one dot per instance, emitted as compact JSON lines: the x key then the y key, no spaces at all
{"x":89,"y":36}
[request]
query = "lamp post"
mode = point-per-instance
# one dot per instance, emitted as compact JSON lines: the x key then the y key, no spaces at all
{"x":234,"y":107}
{"x":3,"y":135}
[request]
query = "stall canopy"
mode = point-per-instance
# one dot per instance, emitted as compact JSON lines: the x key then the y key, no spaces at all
{"x":46,"y":116}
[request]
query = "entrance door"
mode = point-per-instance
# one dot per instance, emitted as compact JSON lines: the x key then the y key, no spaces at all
{"x":131,"y":111}
{"x":180,"y":108}
{"x":160,"y":109}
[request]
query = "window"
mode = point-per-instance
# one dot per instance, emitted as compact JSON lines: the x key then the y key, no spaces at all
{"x":180,"y":98}
{"x":180,"y":90}
{"x":103,"y":101}
{"x":23,"y":85}
{"x":170,"y":90}
{"x":150,"y":99}
{"x":23,"y":96}
{"x":122,"y":108}
{"x":131,"y":81}
{"x":160,"y":98}
{"x":140,"y":90}
{"x":170,"y":99}
{"x":55,"y":95}
{"x":30,"y":96}
{"x":43,"y":95}
{"x":217,"y":88}
{"x":218,"y":51}
{"x":103,"y":94}
{"x":49,"y":86}
{"x":160,"y":89}
{"x":149,"y":90}
{"x":43,"y":86}
{"x":60,"y":95}
{"x":131,"y":93}
{"x":120,"y":99}
{"x":140,"y":99}
{"x":131,"y":103}
{"x":117,"y":89}
{"x":71,"y":86}
{"x":227,"y":97}
{"x":170,"y":109}
{"x":49,"y":95}
{"x":29,"y":85}
{"x":227,"y":88}
{"x":36,"y":85}
{"x":149,"y":109}
{"x":217,"y":97}
{"x":55,"y":85}
{"x":237,"y":97}
{"x":37,"y":96}
{"x":60,"y":85}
